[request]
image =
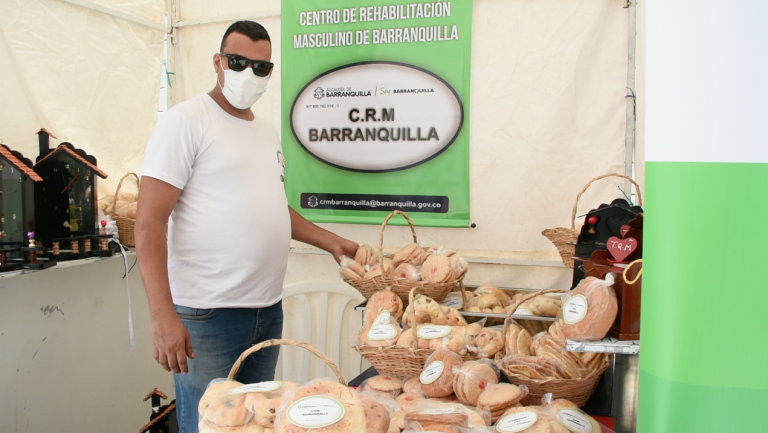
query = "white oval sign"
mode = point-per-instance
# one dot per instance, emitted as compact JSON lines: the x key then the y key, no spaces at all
{"x":575,"y":309}
{"x":430,"y":332}
{"x":376,"y":116}
{"x":257,"y":387}
{"x":316,"y":412}
{"x":517,"y":422}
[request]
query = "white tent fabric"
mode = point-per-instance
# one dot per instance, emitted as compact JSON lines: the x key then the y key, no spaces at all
{"x":88,"y":77}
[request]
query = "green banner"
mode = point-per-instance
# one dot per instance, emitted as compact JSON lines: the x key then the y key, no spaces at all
{"x":375,"y":97}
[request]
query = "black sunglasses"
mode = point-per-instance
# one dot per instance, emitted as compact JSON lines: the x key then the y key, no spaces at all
{"x":238,"y":63}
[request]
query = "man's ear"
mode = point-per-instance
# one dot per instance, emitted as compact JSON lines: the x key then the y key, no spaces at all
{"x":216,"y":62}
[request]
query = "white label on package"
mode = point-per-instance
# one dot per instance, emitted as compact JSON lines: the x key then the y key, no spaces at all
{"x":382,"y":332}
{"x":432,"y":372}
{"x":574,"y":421}
{"x":257,"y":387}
{"x":430,"y":332}
{"x":382,"y":318}
{"x":516,"y":422}
{"x":453,"y":300}
{"x":316,"y":412}
{"x":523,"y":312}
{"x":438,"y":411}
{"x":575,"y":309}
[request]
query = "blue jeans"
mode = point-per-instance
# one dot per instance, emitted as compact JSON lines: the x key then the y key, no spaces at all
{"x":218,"y":337}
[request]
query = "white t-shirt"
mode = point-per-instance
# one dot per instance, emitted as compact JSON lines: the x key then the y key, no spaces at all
{"x":230,"y":232}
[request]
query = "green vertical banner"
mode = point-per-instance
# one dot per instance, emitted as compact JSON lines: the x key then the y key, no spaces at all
{"x":375,"y":97}
{"x":703,"y":357}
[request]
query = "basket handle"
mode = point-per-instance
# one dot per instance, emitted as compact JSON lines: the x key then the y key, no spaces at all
{"x":411,"y":295}
{"x":463,"y":293}
{"x":271,"y":343}
{"x":514,"y":306}
{"x":381,"y":233}
{"x":120,"y":184}
{"x":583,"y":190}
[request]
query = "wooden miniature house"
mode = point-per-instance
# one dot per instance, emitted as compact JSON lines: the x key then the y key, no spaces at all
{"x":17,"y":201}
{"x":66,"y":198}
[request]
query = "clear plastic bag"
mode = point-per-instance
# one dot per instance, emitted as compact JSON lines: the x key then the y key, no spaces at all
{"x":499,"y":398}
{"x":340,"y":408}
{"x":383,"y":332}
{"x":382,"y":386}
{"x":473,"y":378}
{"x":438,"y":374}
{"x":487,"y":343}
{"x":228,"y":404}
{"x":589,"y":310}
{"x":566,"y":417}
{"x":381,"y":301}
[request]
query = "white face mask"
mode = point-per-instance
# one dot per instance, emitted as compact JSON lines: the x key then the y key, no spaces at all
{"x":242,"y":89}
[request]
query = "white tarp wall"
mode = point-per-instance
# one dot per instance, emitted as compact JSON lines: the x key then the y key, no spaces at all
{"x":88,"y":77}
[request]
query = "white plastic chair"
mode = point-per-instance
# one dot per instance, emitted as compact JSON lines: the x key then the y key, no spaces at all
{"x":325,"y":296}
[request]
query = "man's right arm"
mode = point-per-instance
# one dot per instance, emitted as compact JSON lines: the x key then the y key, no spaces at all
{"x":170,"y":338}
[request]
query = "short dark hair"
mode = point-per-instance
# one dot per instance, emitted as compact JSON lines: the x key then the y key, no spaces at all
{"x":255,"y":31}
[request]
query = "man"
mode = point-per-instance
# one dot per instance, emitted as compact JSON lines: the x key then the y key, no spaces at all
{"x":215,"y":286}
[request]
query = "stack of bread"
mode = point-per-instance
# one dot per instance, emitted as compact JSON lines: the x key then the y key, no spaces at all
{"x":382,"y":315}
{"x":124,"y":205}
{"x":411,"y":263}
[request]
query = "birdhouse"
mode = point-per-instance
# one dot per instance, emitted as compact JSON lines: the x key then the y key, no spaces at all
{"x":17,"y":206}
{"x":65,"y":199}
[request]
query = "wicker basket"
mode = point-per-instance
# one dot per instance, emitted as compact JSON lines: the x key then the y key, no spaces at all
{"x":400,"y":361}
{"x":125,"y":225}
{"x":271,"y":343}
{"x":564,"y":239}
{"x":576,"y":390}
{"x":401,"y":286}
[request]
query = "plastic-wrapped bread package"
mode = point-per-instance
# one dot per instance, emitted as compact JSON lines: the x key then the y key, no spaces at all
{"x":437,"y":377}
{"x":263,"y":400}
{"x":408,"y":271}
{"x":426,"y":310}
{"x":407,"y":339}
{"x":566,"y":417}
{"x":527,"y":419}
{"x":383,"y":300}
{"x":219,"y":408}
{"x":490,"y":289}
{"x":590,"y":309}
{"x":377,"y":417}
{"x":413,"y":386}
{"x":473,"y":378}
{"x":435,"y":337}
{"x":382,"y":386}
{"x":487,"y":343}
{"x":545,"y":306}
{"x":499,"y":398}
{"x":341,"y":409}
{"x":429,"y":414}
{"x":484,"y":303}
{"x":406,"y":401}
{"x":382,"y":332}
{"x":366,"y":255}
{"x":460,"y":265}
{"x":350,"y":269}
{"x":437,"y":269}
{"x":453,"y":317}
{"x":411,"y":254}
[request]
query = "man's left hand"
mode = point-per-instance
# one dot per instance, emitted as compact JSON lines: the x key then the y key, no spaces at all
{"x":343,"y":247}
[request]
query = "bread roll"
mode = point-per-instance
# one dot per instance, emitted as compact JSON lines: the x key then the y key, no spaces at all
{"x":407,"y":401}
{"x":406,"y":339}
{"x":591,"y":310}
{"x":546,"y":306}
{"x":437,"y":376}
{"x":489,"y":342}
{"x":387,"y":384}
{"x":365,"y":255}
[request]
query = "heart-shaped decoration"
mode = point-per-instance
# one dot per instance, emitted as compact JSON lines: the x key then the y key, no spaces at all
{"x":620,"y":249}
{"x":625,"y":229}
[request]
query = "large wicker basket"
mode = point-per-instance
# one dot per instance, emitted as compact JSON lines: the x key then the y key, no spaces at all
{"x":565,"y":239}
{"x":125,"y":225}
{"x":576,"y":390}
{"x":403,"y":362}
{"x":286,"y":342}
{"x":401,"y":286}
